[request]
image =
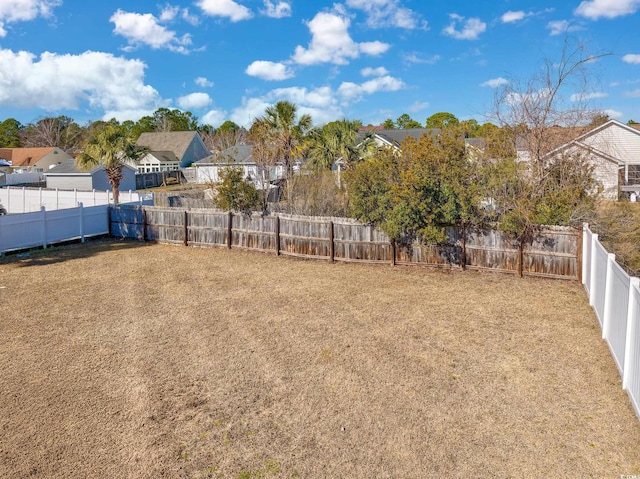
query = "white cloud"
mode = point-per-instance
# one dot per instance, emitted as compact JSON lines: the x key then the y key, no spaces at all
{"x":415,"y":58}
{"x":194,"y":101}
{"x":418,"y":106}
{"x":145,"y":29}
{"x":615,"y":114}
{"x":277,"y":10}
{"x":587,"y":96}
{"x":633,"y":58}
{"x":214,"y":118}
{"x":495,"y":82}
{"x":331,"y":43}
{"x":324,"y":104}
{"x":61,"y":82}
{"x":169,"y":13}
{"x":374,"y":72}
{"x":595,"y":9}
{"x":388,"y":13}
{"x":471,"y":27}
{"x":560,"y":27}
{"x":351,"y":91}
{"x":24,"y":10}
{"x":225,"y":8}
{"x":269,"y":70}
{"x":203,"y":82}
{"x":189,"y":17}
{"x":632,"y":93}
{"x":510,"y":17}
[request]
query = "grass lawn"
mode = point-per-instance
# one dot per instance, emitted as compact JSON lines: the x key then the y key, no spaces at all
{"x":124,"y":360}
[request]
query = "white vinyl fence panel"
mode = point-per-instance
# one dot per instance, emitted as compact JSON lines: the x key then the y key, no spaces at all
{"x":615,"y":298}
{"x":43,"y":228}
{"x":599,"y":260}
{"x":25,"y":200}
{"x":631,"y":374}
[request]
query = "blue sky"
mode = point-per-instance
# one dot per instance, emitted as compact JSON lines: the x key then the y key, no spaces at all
{"x":360,"y":59}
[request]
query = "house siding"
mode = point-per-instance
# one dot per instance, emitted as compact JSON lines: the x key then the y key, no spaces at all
{"x":616,"y":141}
{"x":195,"y":151}
{"x":76,"y":182}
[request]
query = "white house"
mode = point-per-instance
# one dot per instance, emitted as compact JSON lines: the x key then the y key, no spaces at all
{"x":613,"y":149}
{"x":240,"y":156}
{"x":166,"y":147}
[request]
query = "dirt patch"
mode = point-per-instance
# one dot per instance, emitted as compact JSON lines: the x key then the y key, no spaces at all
{"x":146,"y":361}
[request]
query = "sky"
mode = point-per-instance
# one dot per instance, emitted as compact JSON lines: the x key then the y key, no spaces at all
{"x":359,"y":59}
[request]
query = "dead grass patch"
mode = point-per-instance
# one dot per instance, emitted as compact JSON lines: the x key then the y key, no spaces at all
{"x":128,"y":360}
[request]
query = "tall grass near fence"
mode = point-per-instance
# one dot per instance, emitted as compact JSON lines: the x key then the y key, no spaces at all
{"x":553,"y":253}
{"x":615,"y":298}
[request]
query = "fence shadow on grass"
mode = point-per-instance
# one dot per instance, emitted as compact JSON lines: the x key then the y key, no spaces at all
{"x":69,"y":251}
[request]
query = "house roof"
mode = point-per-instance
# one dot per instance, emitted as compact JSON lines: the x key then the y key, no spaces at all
{"x":395,"y":137}
{"x":234,"y":154}
{"x":163,"y":156}
{"x":21,"y":157}
{"x":176,"y":142}
{"x":70,"y":167}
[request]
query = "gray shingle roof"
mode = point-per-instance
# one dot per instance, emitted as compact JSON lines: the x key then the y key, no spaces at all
{"x":234,"y":154}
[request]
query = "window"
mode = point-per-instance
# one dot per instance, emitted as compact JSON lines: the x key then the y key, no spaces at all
{"x":633,"y":177}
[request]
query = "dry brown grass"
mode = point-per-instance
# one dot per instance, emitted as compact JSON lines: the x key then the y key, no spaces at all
{"x":147,"y":361}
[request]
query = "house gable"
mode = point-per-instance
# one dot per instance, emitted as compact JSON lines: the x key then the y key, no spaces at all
{"x":616,"y":140}
{"x":187,"y":146}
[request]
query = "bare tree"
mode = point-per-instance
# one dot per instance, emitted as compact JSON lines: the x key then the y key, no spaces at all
{"x":550,"y":108}
{"x":537,"y":116}
{"x":59,"y":131}
{"x":220,"y":140}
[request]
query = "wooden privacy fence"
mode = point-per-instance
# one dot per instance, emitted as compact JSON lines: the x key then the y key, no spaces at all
{"x":553,"y":253}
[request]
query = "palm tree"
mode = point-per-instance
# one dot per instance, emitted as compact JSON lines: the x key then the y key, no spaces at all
{"x":338,"y":140}
{"x":286,"y":131}
{"x":113,"y":148}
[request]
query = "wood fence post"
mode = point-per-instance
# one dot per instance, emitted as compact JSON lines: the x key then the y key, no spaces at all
{"x":109,"y":219}
{"x":393,"y":252}
{"x":186,"y":228}
{"x":230,"y":230}
{"x":277,"y":236}
{"x":520,"y":258}
{"x":463,"y":258}
{"x":332,"y":250}
{"x":144,"y":224}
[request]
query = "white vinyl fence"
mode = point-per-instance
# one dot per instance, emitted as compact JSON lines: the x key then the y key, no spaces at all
{"x":25,"y":200}
{"x":43,"y":228}
{"x":615,"y":298}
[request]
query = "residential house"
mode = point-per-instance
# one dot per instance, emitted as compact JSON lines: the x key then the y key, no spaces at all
{"x":171,"y":150}
{"x":33,"y":160}
{"x":68,"y":176}
{"x":241,"y":156}
{"x":613,"y":149}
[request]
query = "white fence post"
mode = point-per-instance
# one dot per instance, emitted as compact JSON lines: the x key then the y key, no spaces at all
{"x":608,"y":296}
{"x":43,"y":210}
{"x":593,"y":285}
{"x":24,"y":199}
{"x":8,"y":199}
{"x":57,"y":199}
{"x":75,"y":196}
{"x":585,"y":229}
{"x":40,"y":205}
{"x":632,"y":328}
